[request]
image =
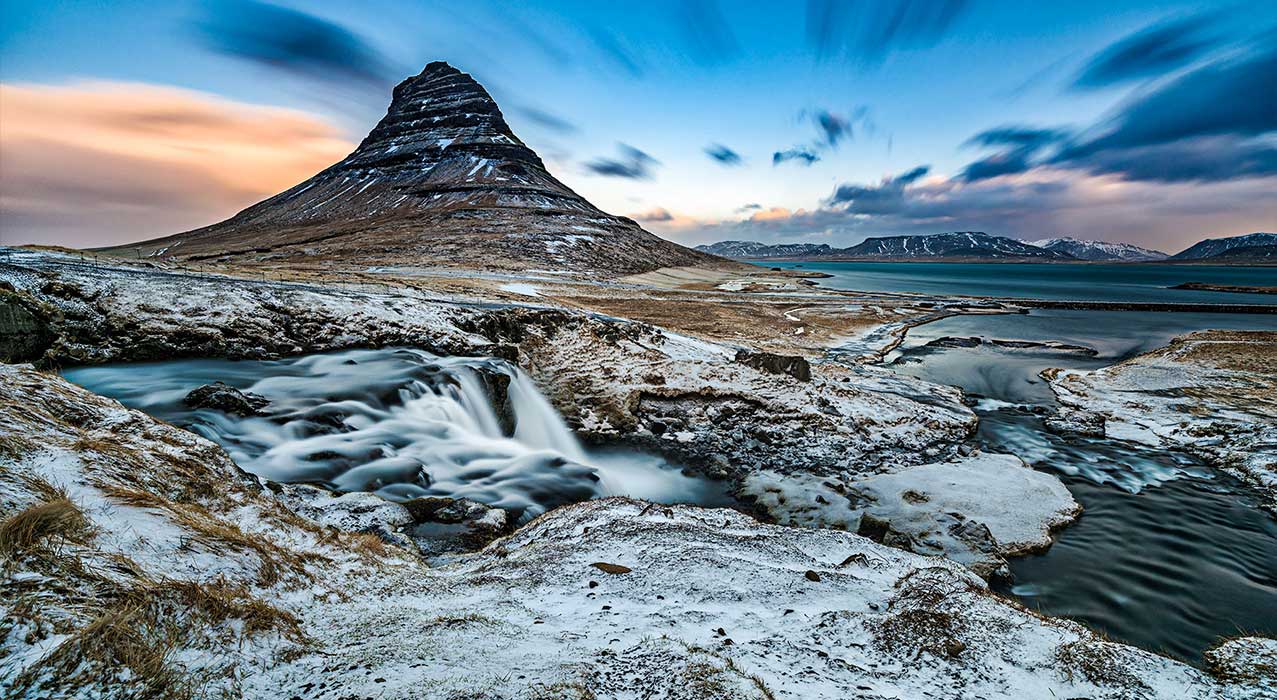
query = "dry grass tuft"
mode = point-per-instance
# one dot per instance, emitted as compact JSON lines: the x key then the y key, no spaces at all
{"x":48,"y":523}
{"x":1098,"y":662}
{"x":15,"y":447}
{"x":918,"y":620}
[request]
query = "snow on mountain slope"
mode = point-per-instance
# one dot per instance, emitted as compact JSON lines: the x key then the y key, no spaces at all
{"x":754,"y":249}
{"x":1212,"y":247}
{"x":959,"y":244}
{"x":1099,"y":250}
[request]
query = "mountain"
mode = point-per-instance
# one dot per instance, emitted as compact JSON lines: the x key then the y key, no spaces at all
{"x":753,"y":250}
{"x":441,"y":180}
{"x":1245,"y":255}
{"x":960,"y":244}
{"x":1218,"y":247}
{"x":1099,"y":250}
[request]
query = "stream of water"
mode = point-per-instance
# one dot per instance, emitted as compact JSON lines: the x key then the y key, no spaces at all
{"x":401,"y":423}
{"x":1169,"y":554}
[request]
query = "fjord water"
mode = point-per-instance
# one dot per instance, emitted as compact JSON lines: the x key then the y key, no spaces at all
{"x":401,"y":423}
{"x":1143,"y":282}
{"x":1169,"y":554}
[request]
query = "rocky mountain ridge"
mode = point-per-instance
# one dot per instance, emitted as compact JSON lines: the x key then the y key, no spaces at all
{"x":441,"y":180}
{"x":754,"y":249}
{"x":1099,"y":250}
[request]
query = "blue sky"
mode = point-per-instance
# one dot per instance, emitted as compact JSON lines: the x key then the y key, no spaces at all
{"x":914,"y":81}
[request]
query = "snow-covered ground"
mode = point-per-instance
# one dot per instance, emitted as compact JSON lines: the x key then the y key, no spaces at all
{"x":179,"y":577}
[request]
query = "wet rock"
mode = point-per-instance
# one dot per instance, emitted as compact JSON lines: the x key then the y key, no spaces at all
{"x":794,"y":366}
{"x":952,"y":342}
{"x":25,"y":334}
{"x":496,"y":385}
{"x":811,"y":576}
{"x":223,"y":397}
{"x":443,"y":525}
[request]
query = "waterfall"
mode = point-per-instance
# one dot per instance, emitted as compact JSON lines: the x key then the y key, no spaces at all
{"x":402,"y":423}
{"x":537,"y":424}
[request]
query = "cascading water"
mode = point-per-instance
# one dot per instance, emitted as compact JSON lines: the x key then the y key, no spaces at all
{"x":402,"y":423}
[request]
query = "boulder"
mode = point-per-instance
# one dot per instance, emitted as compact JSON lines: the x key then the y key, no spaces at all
{"x":223,"y":397}
{"x":794,"y":366}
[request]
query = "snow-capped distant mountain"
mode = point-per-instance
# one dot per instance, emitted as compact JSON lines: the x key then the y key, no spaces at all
{"x":957,"y":245}
{"x":960,"y":244}
{"x":1216,"y":247}
{"x":753,"y":250}
{"x":441,"y":180}
{"x":1099,"y":250}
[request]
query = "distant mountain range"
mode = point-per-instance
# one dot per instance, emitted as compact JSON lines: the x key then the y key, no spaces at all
{"x":1100,"y":250}
{"x":957,"y":245}
{"x":441,"y":180}
{"x":753,"y":250}
{"x":975,"y":245}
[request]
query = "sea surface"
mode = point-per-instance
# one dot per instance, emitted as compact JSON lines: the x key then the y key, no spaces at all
{"x":1169,"y":554}
{"x":1144,"y":282}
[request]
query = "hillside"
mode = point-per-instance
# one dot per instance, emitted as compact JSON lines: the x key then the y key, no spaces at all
{"x":1237,"y":248}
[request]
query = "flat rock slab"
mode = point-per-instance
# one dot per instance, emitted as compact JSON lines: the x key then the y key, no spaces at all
{"x":974,"y":510}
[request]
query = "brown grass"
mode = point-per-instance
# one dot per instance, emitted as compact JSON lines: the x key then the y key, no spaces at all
{"x":1097,"y":662}
{"x":139,"y":627}
{"x":276,"y":563}
{"x":918,"y":620}
{"x":15,"y":447}
{"x":49,"y":523}
{"x":1257,"y":670}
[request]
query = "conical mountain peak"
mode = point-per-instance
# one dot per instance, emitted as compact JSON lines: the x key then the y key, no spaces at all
{"x":440,"y":180}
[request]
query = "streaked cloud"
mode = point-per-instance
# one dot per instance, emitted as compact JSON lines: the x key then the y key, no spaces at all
{"x":549,"y":121}
{"x":1149,"y":52}
{"x":798,"y":154}
{"x":101,"y":163}
{"x":723,"y":155}
{"x":653,"y":215}
{"x":292,"y":41}
{"x":632,"y":163}
{"x":869,"y":31}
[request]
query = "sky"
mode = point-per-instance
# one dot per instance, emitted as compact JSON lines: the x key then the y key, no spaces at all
{"x":1153,"y":123}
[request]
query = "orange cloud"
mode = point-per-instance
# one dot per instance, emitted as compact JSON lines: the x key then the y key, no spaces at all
{"x":102,"y":163}
{"x":772,"y":214}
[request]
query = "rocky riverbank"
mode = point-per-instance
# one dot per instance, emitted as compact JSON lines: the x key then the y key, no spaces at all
{"x":1209,"y":393}
{"x":141,"y":562}
{"x":793,"y":439}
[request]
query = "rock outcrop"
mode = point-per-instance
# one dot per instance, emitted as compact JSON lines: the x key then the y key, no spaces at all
{"x":441,"y":180}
